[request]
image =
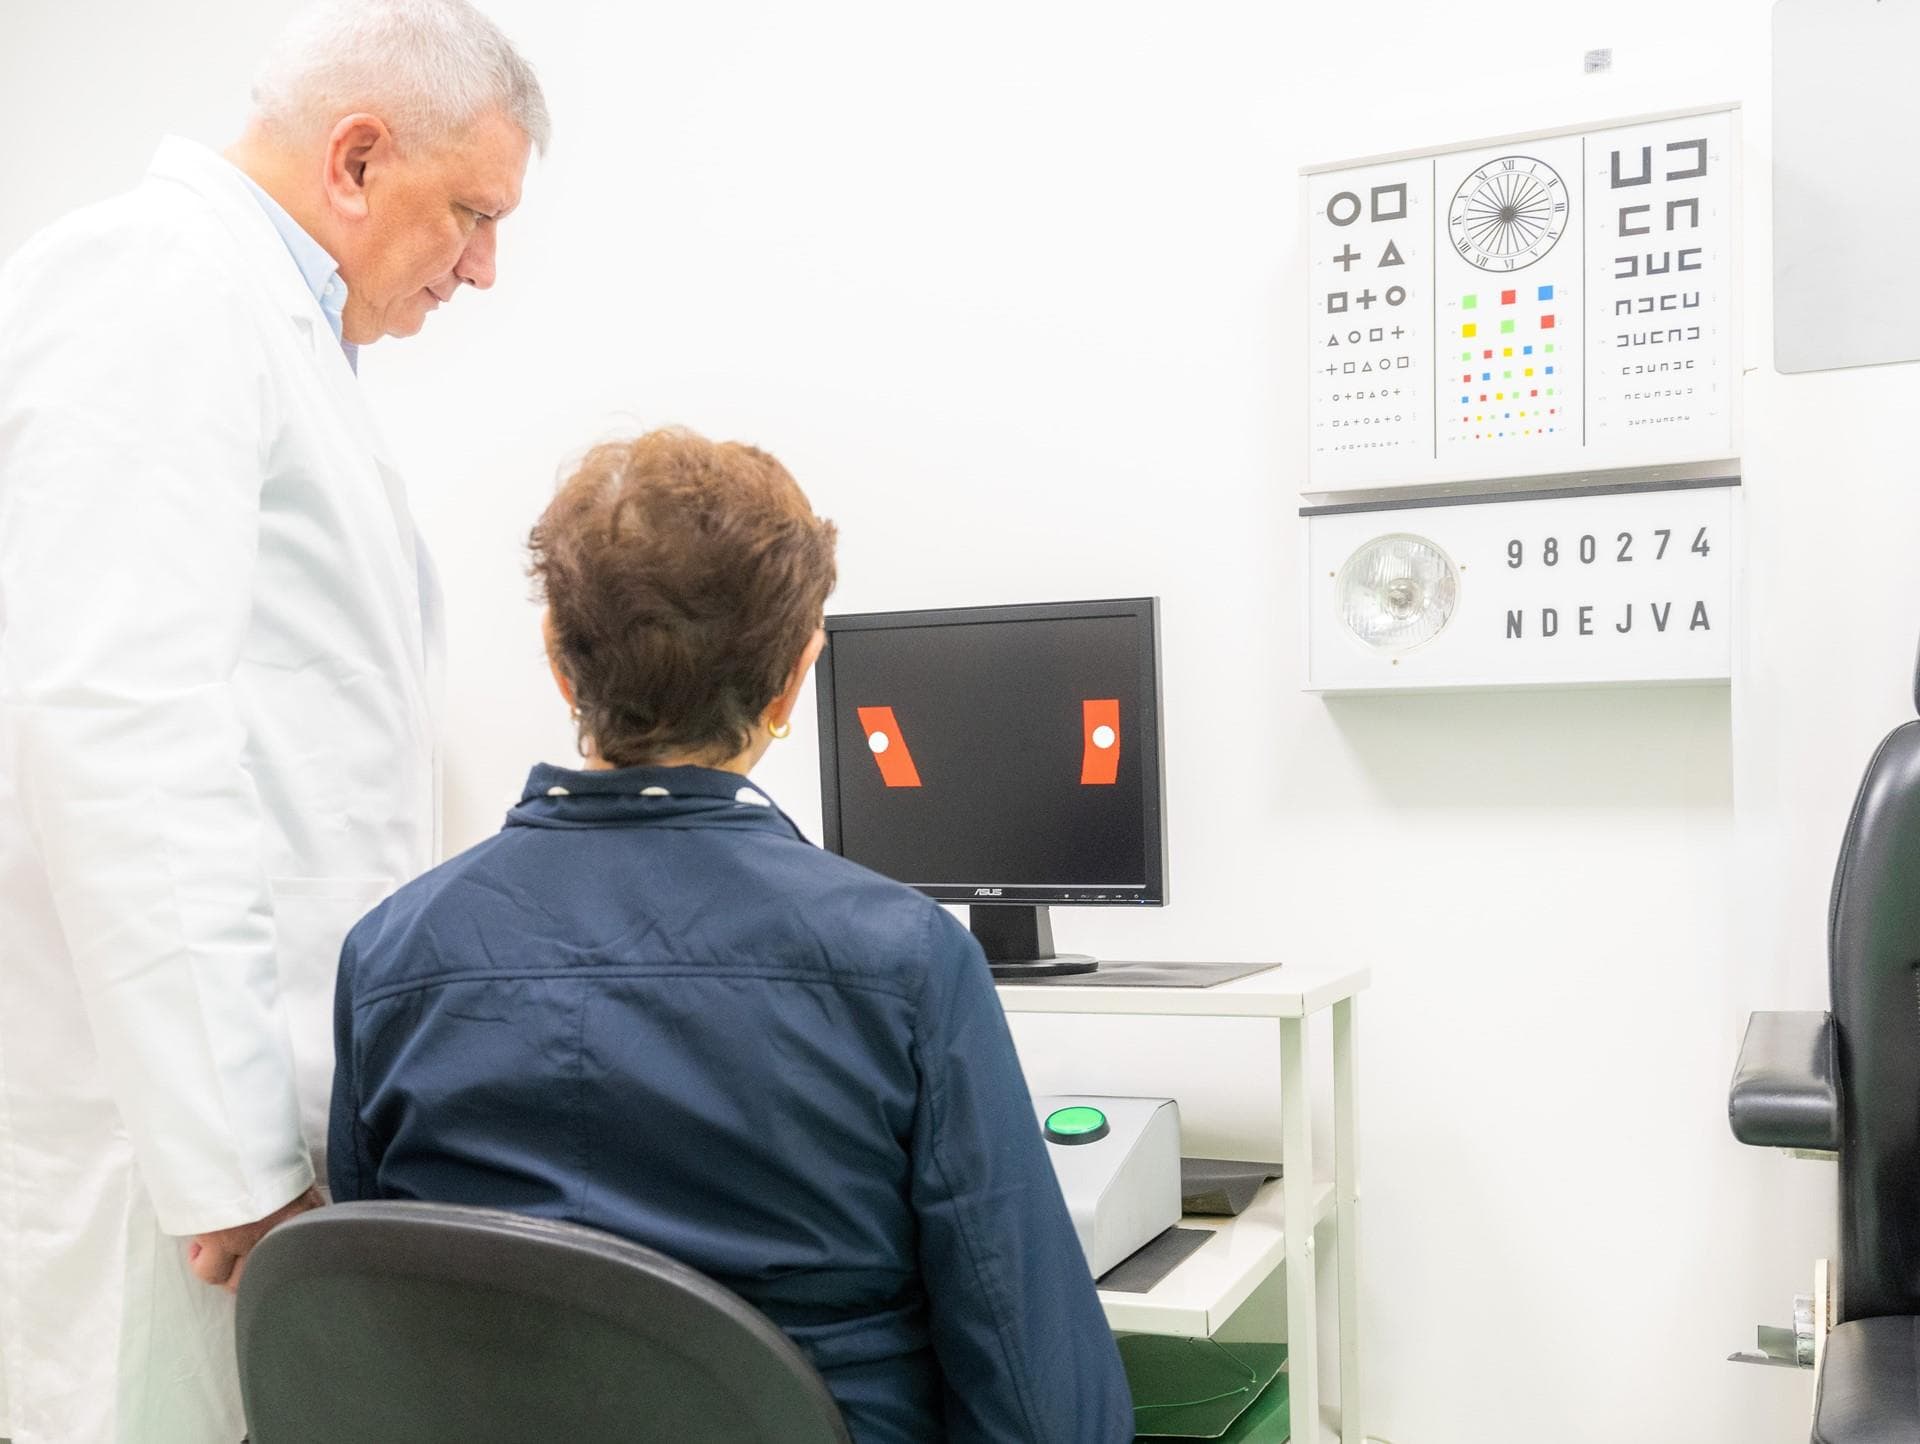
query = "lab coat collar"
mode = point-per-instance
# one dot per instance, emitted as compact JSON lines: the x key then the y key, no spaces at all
{"x":219,"y":182}
{"x":316,"y":264}
{"x":635,"y":796}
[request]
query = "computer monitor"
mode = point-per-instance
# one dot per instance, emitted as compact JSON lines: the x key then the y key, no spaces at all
{"x":1004,"y":757}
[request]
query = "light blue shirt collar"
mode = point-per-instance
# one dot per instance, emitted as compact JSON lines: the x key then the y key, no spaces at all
{"x":318,"y":269}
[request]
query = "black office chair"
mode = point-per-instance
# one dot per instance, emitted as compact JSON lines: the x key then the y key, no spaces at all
{"x":1849,"y":1081}
{"x":420,"y":1323}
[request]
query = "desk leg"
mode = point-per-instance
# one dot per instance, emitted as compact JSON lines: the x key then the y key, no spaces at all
{"x":1296,"y":1184}
{"x":1346,"y":1190}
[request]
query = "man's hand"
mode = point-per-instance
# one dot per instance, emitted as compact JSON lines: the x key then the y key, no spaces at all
{"x":220,"y":1258}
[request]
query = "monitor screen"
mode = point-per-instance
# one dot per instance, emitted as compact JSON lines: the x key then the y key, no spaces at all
{"x":1005,"y":754}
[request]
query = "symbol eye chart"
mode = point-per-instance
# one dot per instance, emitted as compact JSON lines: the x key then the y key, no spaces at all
{"x":1528,"y":308}
{"x":1372,"y":341}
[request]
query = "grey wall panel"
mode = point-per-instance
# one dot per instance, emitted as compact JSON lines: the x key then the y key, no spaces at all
{"x":1846,"y":183}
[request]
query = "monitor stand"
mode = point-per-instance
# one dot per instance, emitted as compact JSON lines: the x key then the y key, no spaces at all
{"x":1018,"y":942}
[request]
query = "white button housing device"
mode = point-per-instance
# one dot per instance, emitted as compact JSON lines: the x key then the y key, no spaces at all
{"x":1122,"y":1188}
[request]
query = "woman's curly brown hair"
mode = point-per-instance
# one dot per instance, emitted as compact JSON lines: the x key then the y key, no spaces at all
{"x":683,"y":578}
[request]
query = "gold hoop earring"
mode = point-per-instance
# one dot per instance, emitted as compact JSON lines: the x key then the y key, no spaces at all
{"x":781,"y":732}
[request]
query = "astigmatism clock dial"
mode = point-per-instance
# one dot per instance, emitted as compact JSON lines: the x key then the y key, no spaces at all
{"x":1508,"y":213}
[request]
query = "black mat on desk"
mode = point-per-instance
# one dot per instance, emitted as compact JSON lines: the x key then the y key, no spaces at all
{"x":1146,"y":975}
{"x":1221,"y":1185}
{"x":1140,"y":1270}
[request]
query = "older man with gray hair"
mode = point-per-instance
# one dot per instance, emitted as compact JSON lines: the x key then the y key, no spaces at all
{"x":218,"y":643}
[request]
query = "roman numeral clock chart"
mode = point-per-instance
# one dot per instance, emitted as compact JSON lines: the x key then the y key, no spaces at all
{"x":1550,"y":319}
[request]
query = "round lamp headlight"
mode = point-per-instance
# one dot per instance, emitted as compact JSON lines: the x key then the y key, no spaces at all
{"x":1397,"y":591}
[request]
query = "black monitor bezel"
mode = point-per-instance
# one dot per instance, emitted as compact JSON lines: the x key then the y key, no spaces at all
{"x":1145,"y":611}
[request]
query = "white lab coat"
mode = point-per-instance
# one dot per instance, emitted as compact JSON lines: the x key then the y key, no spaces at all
{"x":218,"y":647}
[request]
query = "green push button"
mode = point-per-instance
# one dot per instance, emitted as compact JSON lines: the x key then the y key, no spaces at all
{"x":1078,"y":1124}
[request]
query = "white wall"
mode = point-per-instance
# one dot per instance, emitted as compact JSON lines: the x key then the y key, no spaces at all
{"x":1014,"y":290}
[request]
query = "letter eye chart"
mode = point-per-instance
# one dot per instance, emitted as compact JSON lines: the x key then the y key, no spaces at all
{"x":1607,"y":586}
{"x":1529,"y":308}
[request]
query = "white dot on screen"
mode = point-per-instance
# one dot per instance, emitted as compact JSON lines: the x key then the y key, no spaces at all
{"x":877,"y":741}
{"x":1103,"y":737}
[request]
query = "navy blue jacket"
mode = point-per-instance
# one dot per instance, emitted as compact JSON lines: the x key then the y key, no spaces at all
{"x":649,"y":1005}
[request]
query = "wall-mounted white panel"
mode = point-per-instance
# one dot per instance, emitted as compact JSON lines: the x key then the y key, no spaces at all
{"x":1526,"y":308}
{"x":1845,"y":209}
{"x":1570,"y":590}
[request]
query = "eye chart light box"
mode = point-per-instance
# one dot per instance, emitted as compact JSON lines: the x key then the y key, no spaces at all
{"x":1527,"y":308}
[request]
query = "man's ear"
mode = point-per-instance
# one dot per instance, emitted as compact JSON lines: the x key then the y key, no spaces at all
{"x":357,"y":145}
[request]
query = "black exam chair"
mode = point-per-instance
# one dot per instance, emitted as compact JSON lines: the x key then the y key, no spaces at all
{"x":1848,"y":1081}
{"x":421,"y":1323}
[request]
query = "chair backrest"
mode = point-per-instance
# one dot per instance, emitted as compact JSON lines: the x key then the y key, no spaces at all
{"x":420,"y":1323}
{"x":1873,"y":953}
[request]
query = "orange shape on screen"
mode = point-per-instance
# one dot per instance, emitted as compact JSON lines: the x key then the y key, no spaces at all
{"x":1100,"y":729}
{"x":888,"y":746}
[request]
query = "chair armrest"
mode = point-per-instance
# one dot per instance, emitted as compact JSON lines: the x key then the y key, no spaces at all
{"x":1786,"y":1088}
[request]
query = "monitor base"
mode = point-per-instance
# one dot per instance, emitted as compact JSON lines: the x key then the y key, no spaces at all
{"x":1018,"y":942}
{"x":1054,"y":967}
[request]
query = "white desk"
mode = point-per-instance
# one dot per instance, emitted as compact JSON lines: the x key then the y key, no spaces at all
{"x":1277,"y":1228}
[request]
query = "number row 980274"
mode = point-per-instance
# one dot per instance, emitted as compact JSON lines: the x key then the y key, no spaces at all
{"x":1589,"y":548}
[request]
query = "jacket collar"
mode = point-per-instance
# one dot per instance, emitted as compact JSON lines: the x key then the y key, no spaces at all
{"x":635,"y":796}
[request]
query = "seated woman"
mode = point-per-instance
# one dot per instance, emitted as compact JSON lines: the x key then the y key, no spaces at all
{"x":650,"y":1005}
